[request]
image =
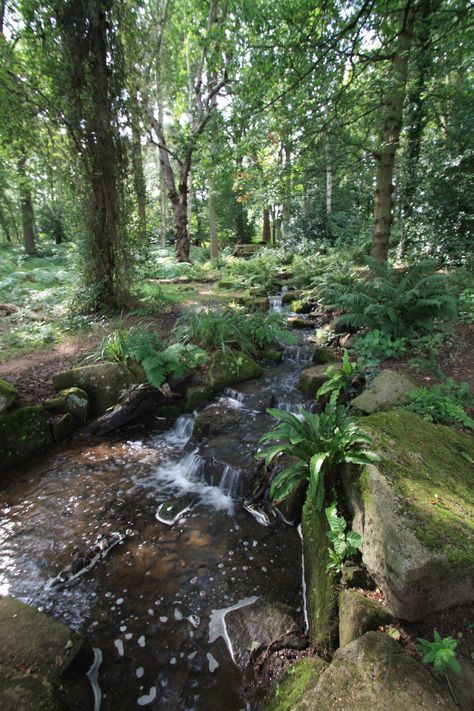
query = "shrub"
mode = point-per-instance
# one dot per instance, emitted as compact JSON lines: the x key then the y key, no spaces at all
{"x":440,"y":653}
{"x":340,"y":379}
{"x":397,"y":302}
{"x":343,"y":544}
{"x":376,"y":346}
{"x":318,"y":442}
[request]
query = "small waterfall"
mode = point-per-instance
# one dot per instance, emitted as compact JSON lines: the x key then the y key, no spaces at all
{"x":298,"y":354}
{"x":234,"y":395}
{"x":230,"y":482}
{"x":180,"y":434}
{"x":212,"y":472}
{"x":275,"y":303}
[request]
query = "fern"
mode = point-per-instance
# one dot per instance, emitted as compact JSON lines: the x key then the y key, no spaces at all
{"x":393,"y":301}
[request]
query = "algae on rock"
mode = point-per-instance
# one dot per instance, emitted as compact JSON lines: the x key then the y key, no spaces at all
{"x":23,"y":432}
{"x":8,"y":395}
{"x":415,"y":510}
{"x":321,"y":586}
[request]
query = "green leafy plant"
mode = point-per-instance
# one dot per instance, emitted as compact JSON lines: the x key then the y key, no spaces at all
{"x":466,"y":306}
{"x":375,"y":346}
{"x":146,"y":348}
{"x":318,"y":442}
{"x":339,"y":379}
{"x":397,"y":302}
{"x":445,"y":403}
{"x":440,"y":653}
{"x":228,"y":328}
{"x":344,"y":544}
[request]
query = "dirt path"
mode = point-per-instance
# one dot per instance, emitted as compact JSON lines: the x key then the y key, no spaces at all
{"x":32,"y":374}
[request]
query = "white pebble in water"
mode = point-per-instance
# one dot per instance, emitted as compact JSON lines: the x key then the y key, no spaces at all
{"x":264,"y":569}
{"x":163,"y":619}
{"x":140,"y":672}
{"x":119,"y":646}
{"x":151,"y":612}
{"x":119,"y":600}
{"x":213,"y":663}
{"x":192,"y":655}
{"x":147,"y":698}
{"x":123,"y":628}
{"x":129,"y":635}
{"x":141,"y":641}
{"x":178,"y":615}
{"x":173,"y":660}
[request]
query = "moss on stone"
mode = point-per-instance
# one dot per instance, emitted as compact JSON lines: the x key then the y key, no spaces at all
{"x":196,"y":396}
{"x":72,"y":400}
{"x":430,"y":467}
{"x":359,"y":614}
{"x":23,"y":432}
{"x":321,"y":586}
{"x":232,"y":367}
{"x":273,"y":356}
{"x":298,"y":679}
{"x":324,"y":355}
{"x":8,"y":395}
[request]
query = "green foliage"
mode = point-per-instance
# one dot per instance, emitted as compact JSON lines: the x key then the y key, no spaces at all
{"x":344,"y":544}
{"x":340,"y":379}
{"x":397,"y":302}
{"x":440,"y":653}
{"x":257,"y":271}
{"x":146,"y":348}
{"x":466,"y":306}
{"x":227,"y":328}
{"x":318,"y":442}
{"x":443,"y":403}
{"x":375,"y":346}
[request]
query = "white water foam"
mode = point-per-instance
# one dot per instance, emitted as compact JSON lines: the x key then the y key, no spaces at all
{"x":93,"y":676}
{"x":303,"y":583}
{"x":217,"y":625}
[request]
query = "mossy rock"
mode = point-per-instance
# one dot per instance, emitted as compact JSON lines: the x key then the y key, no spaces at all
{"x":312,"y":378}
{"x":103,"y":382}
{"x":388,"y":389}
{"x":296,"y":322}
{"x":43,"y":663}
{"x":8,"y":395}
{"x":231,"y":367}
{"x":273,"y":356}
{"x":374,"y":673}
{"x":415,"y":510}
{"x":71,"y":400}
{"x":291,"y":295}
{"x":197,"y":395}
{"x":295,"y":684}
{"x":322,"y":355}
{"x":301,"y":307}
{"x":173,"y":409}
{"x":257,"y":303}
{"x":321,"y":586}
{"x":23,"y":432}
{"x":358,"y":615}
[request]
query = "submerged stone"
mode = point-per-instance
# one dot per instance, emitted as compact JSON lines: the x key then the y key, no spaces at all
{"x":22,"y":433}
{"x":103,"y":383}
{"x":388,"y":390}
{"x":321,"y":586}
{"x":372,"y":672}
{"x":358,"y":615}
{"x":8,"y":395}
{"x":216,"y":419}
{"x":415,"y":510}
{"x":296,"y":322}
{"x":72,"y":400}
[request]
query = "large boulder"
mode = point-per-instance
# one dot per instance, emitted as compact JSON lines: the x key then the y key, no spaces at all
{"x":42,"y":662}
{"x":388,"y":390}
{"x":23,"y":432}
{"x":216,"y":419}
{"x":8,"y":395}
{"x":321,"y":586}
{"x":297,"y":682}
{"x":256,"y":626}
{"x":373,"y":672}
{"x":103,"y":383}
{"x":415,"y":510}
{"x":73,"y":401}
{"x":359,"y":614}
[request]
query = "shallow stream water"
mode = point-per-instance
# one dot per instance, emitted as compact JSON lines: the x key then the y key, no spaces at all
{"x":154,"y":606}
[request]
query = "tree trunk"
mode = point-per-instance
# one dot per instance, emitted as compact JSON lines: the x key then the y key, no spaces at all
{"x":266,"y":232}
{"x":416,"y":118}
{"x":189,"y":213}
{"x":139,"y":181}
{"x":329,"y":178}
{"x":213,"y":218}
{"x":286,"y":208}
{"x":389,"y":140}
{"x":27,"y":212}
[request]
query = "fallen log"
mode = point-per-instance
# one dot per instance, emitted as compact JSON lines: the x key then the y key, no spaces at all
{"x":138,"y":402}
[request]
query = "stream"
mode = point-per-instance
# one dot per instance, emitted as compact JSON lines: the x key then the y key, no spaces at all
{"x":154,"y":608}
